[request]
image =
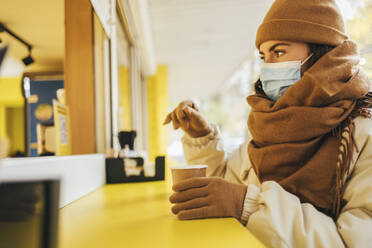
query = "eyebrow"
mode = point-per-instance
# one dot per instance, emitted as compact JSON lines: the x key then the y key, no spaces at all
{"x":274,"y":46}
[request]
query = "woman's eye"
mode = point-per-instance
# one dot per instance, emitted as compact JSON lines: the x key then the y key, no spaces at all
{"x":262,"y":58}
{"x":279,"y":53}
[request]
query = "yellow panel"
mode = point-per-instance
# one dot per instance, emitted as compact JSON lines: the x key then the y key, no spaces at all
{"x":99,"y":85}
{"x":157,"y":107}
{"x":3,"y":126}
{"x":11,"y":112}
{"x":125,"y":116}
{"x":138,"y":215}
{"x":11,"y":92}
{"x":15,"y":129}
{"x":62,"y":128}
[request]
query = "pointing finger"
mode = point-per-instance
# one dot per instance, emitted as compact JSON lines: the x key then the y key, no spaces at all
{"x":192,"y":113}
{"x":194,"y":106}
{"x":176,"y":123}
{"x":182,"y":118}
{"x":191,"y":204}
{"x":187,"y":195}
{"x":195,"y":182}
{"x":196,"y":213}
{"x":168,"y":119}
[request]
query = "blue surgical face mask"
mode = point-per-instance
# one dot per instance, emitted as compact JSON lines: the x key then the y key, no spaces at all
{"x":276,"y":78}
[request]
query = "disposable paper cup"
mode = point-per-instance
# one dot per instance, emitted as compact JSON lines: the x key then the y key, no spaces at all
{"x":180,"y":173}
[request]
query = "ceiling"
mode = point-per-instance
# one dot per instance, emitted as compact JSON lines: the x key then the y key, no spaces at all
{"x":40,"y":23}
{"x":203,"y":41}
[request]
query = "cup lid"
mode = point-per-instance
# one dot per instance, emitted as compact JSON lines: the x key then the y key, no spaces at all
{"x":185,"y":167}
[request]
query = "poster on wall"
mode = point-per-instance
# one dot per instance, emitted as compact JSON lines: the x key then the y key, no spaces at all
{"x":40,"y":116}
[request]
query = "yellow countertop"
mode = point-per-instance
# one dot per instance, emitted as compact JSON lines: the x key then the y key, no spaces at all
{"x":138,"y":215}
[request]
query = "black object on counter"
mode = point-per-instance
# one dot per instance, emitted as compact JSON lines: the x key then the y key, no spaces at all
{"x":115,"y":172}
{"x":31,"y":208}
{"x":127,"y":138}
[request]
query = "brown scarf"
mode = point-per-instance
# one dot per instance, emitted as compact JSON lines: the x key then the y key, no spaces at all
{"x":296,"y":140}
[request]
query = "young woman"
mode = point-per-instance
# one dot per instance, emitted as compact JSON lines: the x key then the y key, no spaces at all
{"x":304,"y":177}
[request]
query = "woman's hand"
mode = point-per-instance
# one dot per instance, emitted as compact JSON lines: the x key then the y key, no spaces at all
{"x":188,"y":117}
{"x":200,"y":197}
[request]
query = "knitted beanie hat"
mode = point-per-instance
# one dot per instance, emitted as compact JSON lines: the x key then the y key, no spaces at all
{"x":309,"y":21}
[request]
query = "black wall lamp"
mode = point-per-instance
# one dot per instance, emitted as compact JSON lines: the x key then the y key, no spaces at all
{"x":28,"y":59}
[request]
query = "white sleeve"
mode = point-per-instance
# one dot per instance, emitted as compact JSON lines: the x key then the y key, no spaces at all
{"x":279,"y":219}
{"x":355,"y":222}
{"x":209,"y":150}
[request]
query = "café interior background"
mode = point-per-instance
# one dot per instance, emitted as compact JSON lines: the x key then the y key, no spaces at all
{"x":143,"y":57}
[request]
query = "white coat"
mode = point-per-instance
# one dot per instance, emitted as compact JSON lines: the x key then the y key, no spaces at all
{"x":276,"y":216}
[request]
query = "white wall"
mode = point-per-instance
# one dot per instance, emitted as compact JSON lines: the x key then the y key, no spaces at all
{"x":79,"y":174}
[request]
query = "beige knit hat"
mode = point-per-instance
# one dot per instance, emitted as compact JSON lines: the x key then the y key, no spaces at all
{"x":310,"y":21}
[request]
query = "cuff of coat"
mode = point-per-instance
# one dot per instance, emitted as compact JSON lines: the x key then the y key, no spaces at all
{"x":201,"y":141}
{"x":250,"y":202}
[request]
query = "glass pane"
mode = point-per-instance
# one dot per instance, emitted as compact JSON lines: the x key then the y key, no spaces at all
{"x":102,"y":87}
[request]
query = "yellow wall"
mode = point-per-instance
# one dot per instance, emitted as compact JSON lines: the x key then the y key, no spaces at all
{"x":157,"y":107}
{"x":11,"y":92}
{"x":15,"y":129}
{"x":3,"y":128}
{"x":11,"y":112}
{"x":125,"y":116}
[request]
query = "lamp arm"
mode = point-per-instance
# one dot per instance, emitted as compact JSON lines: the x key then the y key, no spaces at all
{"x":4,"y":28}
